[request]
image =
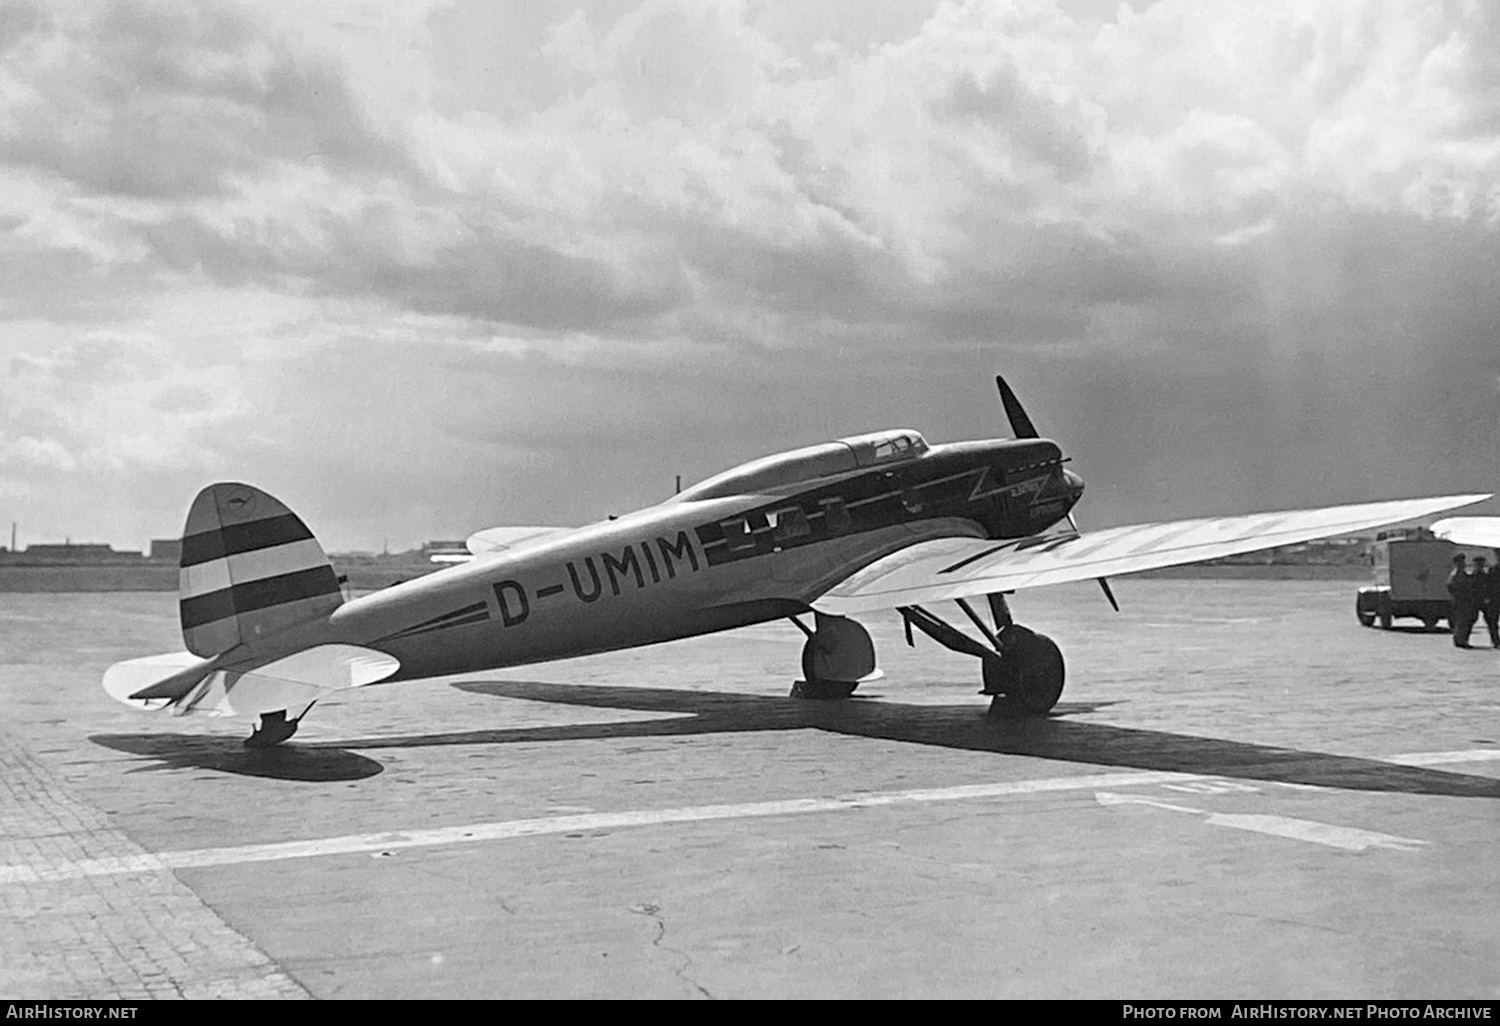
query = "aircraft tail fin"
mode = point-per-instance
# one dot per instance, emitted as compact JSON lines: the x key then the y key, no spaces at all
{"x":250,"y":568}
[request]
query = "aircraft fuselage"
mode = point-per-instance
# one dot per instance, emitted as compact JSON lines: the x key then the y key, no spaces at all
{"x":711,"y":559}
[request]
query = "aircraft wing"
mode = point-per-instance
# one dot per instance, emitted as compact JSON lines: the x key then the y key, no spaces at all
{"x":949,"y":568}
{"x":494,"y":540}
{"x":1483,"y":531}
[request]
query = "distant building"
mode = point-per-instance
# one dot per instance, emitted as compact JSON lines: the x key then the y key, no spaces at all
{"x":86,"y":552}
{"x":166,"y":549}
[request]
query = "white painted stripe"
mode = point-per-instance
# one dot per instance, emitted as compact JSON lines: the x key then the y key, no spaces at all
{"x":475,"y":832}
{"x":1445,"y":758}
{"x":1319,"y":833}
{"x":1327,"y":834}
{"x":218,"y":574}
{"x":1110,"y":798}
{"x":1347,"y":838}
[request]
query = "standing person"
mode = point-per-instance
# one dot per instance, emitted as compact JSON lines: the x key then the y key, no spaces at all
{"x":1487,"y":582}
{"x":1463,"y":588}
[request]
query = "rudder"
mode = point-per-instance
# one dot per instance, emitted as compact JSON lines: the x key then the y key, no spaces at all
{"x":249,"y":568}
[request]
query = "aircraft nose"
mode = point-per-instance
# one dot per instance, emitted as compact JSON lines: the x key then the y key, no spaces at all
{"x":1073,"y":482}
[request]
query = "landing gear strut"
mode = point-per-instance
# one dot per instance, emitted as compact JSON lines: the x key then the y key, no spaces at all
{"x":273,"y":729}
{"x":1023,"y":670}
{"x":837,"y":656}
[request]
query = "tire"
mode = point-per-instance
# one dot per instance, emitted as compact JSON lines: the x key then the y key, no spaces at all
{"x":1383,"y":611}
{"x":835,"y":658}
{"x":817,"y":688}
{"x":1364,"y":608}
{"x":823,"y":690}
{"x":1031,"y":674}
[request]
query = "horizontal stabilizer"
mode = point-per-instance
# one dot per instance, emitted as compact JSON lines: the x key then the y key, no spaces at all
{"x":1483,"y":531}
{"x":202,"y":687}
{"x":291,"y":684}
{"x":152,"y":682}
{"x":333,"y":666}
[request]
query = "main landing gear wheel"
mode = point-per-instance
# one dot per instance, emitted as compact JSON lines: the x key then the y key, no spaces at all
{"x":1023,"y":670}
{"x":836,"y":657}
{"x":1028,"y":679}
{"x":273,"y":729}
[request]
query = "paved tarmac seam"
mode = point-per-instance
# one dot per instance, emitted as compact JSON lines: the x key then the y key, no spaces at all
{"x":106,"y":936}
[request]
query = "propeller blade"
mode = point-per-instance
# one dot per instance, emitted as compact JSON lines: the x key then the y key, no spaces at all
{"x":1020,"y":424}
{"x":1103,"y":581}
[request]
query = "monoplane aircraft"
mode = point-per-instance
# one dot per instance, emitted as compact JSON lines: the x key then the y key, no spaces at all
{"x":877,"y":521}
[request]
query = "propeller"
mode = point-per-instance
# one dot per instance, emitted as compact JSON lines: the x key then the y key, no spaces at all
{"x":1022,"y":427}
{"x":1020,"y":424}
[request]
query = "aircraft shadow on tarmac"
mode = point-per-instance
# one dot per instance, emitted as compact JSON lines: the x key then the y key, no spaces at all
{"x":229,"y":755}
{"x":708,"y":712}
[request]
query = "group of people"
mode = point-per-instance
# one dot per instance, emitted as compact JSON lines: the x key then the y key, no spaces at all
{"x":1475,"y":590}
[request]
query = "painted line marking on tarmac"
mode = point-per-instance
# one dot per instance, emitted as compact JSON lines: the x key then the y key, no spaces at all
{"x":1327,"y":834}
{"x":476,"y":832}
{"x":391,"y":840}
{"x":1347,"y":838}
{"x":1110,"y":798}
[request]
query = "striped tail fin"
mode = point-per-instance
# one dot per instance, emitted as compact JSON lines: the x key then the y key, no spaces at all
{"x":250,"y":568}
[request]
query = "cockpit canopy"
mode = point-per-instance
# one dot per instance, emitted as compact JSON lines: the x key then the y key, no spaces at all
{"x":885,"y":446}
{"x":816,"y":461}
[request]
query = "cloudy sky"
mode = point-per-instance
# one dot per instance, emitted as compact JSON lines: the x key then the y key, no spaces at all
{"x":424,"y":268}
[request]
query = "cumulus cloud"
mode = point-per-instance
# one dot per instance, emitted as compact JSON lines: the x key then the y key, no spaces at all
{"x":234,"y":231}
{"x":172,"y":100}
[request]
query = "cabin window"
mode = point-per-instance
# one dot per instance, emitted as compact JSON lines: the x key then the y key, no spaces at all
{"x":737,"y":534}
{"x":790,"y":523}
{"x":835,"y":515}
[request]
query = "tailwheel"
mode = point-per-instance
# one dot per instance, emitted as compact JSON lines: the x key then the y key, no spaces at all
{"x":273,"y":729}
{"x":1028,"y":678}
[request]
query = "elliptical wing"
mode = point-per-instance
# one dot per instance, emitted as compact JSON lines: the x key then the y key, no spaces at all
{"x":950,"y":568}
